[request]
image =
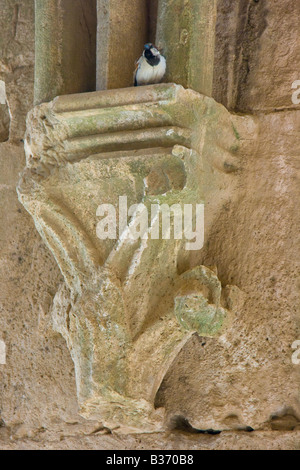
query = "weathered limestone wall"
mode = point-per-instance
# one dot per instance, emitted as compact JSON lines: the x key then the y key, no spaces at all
{"x":188,"y":43}
{"x":16,"y":61}
{"x":254,"y":244}
{"x":65,"y":35}
{"x":121,"y":37}
{"x":32,"y":388}
{"x":4,"y":114}
{"x":120,"y":40}
{"x":256,"y":52}
{"x":186,"y":33}
{"x":249,"y":376}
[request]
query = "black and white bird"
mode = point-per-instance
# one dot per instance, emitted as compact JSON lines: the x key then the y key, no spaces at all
{"x":151,"y":66}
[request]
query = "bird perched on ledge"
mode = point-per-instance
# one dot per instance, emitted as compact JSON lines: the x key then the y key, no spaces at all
{"x":151,"y":66}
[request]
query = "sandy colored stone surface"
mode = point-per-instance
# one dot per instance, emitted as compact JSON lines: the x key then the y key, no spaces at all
{"x":65,"y":438}
{"x":254,"y":244}
{"x":256,"y":54}
{"x":244,"y":379}
{"x":28,"y":379}
{"x":17,"y":60}
{"x":186,"y":34}
{"x":26,"y":292}
{"x":65,"y":37}
{"x":4,"y":122}
{"x":142,"y":299}
{"x":121,"y":38}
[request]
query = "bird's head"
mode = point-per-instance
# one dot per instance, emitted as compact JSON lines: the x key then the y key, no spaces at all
{"x":150,"y":50}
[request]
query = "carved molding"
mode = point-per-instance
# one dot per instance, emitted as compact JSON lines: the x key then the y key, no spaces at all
{"x":126,"y":308}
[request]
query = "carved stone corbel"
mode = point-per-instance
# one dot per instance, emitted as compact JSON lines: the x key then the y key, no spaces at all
{"x":127,"y":307}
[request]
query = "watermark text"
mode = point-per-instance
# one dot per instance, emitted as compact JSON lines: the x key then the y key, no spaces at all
{"x":160,"y":222}
{"x":296,"y":93}
{"x":296,"y":355}
{"x":2,"y":352}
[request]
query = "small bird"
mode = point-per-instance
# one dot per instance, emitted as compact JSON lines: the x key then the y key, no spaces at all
{"x":151,"y":66}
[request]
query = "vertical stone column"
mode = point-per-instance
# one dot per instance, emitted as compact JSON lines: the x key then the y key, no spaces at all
{"x":65,"y":47}
{"x":186,"y":33}
{"x":122,"y":32}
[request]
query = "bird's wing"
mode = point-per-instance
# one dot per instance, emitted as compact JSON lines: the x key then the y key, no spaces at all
{"x":139,"y":61}
{"x":135,"y":71}
{"x":137,"y":65}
